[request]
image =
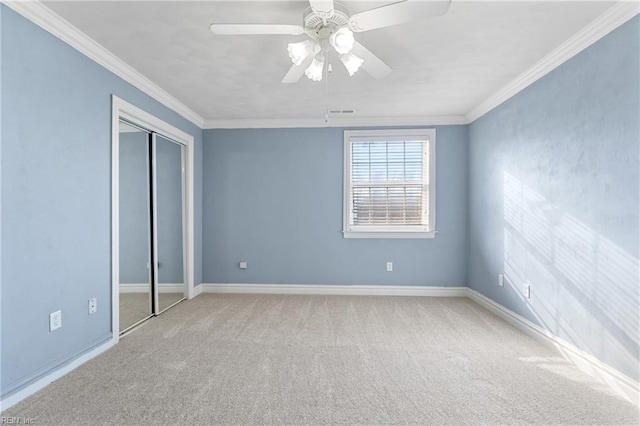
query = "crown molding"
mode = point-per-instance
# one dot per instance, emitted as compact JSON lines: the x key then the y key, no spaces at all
{"x":45,"y":18}
{"x":611,"y":19}
{"x":48,"y":20}
{"x":274,"y":123}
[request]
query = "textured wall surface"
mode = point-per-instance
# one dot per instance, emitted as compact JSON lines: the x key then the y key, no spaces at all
{"x":554,"y":199}
{"x":273,"y":197}
{"x":56,"y":198}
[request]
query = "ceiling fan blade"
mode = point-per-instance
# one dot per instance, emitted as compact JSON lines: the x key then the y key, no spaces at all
{"x":322,"y":6}
{"x":397,"y":13}
{"x":372,"y":64}
{"x":255,"y":29}
{"x":296,"y":71}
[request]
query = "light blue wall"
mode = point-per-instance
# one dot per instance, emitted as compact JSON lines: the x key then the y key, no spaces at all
{"x":56,"y":190}
{"x":1,"y":303}
{"x":554,"y":199}
{"x":273,"y":197}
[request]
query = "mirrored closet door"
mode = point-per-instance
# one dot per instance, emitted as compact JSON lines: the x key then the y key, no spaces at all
{"x":169,"y":208}
{"x":151,"y":206}
{"x":135,"y":226}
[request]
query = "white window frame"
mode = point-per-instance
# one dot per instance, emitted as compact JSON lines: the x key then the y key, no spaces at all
{"x":409,"y":231}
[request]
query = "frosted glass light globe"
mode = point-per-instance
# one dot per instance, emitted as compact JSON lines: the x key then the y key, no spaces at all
{"x":342,"y":40}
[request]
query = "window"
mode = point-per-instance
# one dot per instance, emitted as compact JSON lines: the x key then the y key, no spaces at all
{"x":389,"y":183}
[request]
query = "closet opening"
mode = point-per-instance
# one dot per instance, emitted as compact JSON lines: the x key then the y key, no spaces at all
{"x":152,"y":232}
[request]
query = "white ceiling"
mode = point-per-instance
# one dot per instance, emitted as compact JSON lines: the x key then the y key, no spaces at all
{"x":442,"y":66}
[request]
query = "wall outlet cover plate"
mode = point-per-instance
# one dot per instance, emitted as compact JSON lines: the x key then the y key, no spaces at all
{"x":527,"y":291}
{"x":93,"y":306}
{"x":55,"y":320}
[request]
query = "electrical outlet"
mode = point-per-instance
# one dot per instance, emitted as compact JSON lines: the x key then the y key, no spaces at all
{"x":389,"y":266}
{"x":93,"y":306}
{"x":55,"y":320}
{"x":243,"y":265}
{"x":501,"y":280}
{"x":527,"y":290}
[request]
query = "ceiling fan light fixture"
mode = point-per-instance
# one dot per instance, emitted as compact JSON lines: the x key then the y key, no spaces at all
{"x":298,"y":52}
{"x":351,"y":62}
{"x":342,"y":40}
{"x":314,"y":71}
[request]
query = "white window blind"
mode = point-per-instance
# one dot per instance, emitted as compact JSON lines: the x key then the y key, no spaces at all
{"x":388,"y":182}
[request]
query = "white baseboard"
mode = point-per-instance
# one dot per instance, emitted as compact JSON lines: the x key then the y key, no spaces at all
{"x":197,"y":290}
{"x":351,"y":290}
{"x":620,"y":383}
{"x":41,"y":383}
{"x":145,"y":288}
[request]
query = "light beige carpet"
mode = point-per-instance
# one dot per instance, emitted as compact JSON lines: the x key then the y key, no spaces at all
{"x":134,"y":307}
{"x":165,"y":300}
{"x":260,"y":359}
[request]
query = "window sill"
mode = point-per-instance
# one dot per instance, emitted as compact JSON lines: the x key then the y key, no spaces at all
{"x":389,"y":234}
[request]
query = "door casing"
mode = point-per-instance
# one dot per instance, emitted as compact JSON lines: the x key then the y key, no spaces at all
{"x":129,"y":112}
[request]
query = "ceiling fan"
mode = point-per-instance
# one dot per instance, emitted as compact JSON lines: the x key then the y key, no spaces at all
{"x":328,"y":24}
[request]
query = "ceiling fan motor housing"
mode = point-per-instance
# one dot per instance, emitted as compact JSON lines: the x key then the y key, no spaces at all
{"x":320,"y":26}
